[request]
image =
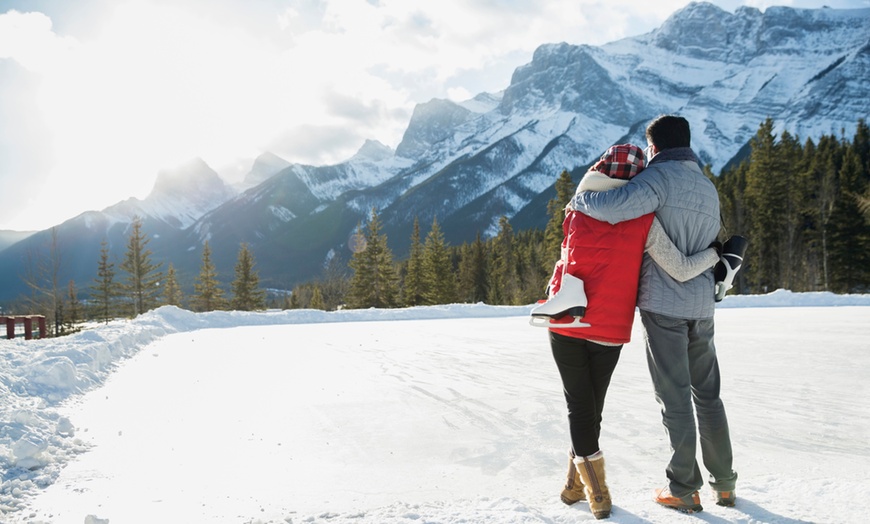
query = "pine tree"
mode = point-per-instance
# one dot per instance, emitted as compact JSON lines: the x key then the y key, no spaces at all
{"x":413,"y":288}
{"x":42,"y":277}
{"x":791,"y":241}
{"x":767,"y":196}
{"x":143,"y":278}
{"x":208,"y":296}
{"x":473,"y":283}
{"x":553,"y":234}
{"x":73,"y":310}
{"x":731,"y":186}
{"x":811,"y":262}
{"x":532,"y":275}
{"x":503,"y":281}
{"x":334,"y":284}
{"x":374,"y":282}
{"x":849,"y":232}
{"x":104,"y":291}
{"x":292,"y":301}
{"x":823,"y":177}
{"x":439,"y":280}
{"x":317,"y":299}
{"x":247,"y":296}
{"x":171,"y":290}
{"x":861,"y":144}
{"x":802,"y":261}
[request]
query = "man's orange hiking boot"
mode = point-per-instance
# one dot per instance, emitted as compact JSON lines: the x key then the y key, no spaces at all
{"x":689,"y":504}
{"x":726,"y":498}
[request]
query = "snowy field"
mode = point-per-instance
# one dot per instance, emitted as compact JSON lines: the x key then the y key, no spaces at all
{"x":430,"y":415}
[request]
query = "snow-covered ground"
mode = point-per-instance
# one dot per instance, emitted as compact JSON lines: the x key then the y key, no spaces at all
{"x":448,"y":414}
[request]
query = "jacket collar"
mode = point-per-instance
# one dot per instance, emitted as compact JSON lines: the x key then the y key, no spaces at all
{"x":675,"y":154}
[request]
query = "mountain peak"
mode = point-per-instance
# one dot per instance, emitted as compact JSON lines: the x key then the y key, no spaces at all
{"x":373,"y":151}
{"x":271,"y":160}
{"x":184,"y":193}
{"x":483,"y":102}
{"x":430,"y":123}
{"x":188,"y":176}
{"x":264,"y":167}
{"x":705,"y":31}
{"x":571,"y":78}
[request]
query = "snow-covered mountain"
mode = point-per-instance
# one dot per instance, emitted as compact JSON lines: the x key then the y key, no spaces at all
{"x":805,"y":68}
{"x":180,"y":196}
{"x":467,"y":164}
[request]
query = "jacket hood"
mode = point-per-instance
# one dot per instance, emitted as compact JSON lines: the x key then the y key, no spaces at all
{"x":596,"y":181}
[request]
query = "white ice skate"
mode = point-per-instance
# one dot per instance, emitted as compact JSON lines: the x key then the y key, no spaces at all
{"x":729,"y":264}
{"x":569,"y":300}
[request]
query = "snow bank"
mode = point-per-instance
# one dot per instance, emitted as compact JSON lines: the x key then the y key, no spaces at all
{"x":786,"y":298}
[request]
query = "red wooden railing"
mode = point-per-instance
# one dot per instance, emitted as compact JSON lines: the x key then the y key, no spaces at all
{"x":27,"y":320}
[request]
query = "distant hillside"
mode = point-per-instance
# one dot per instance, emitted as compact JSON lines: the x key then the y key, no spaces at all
{"x":7,"y":238}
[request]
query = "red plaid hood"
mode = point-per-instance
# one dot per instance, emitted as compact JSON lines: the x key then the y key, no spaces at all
{"x":621,"y":161}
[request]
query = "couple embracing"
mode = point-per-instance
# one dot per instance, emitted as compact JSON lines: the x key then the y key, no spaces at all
{"x":641,"y":231}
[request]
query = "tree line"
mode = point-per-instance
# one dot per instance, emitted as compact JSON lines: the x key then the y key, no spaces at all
{"x":135,"y":286}
{"x":805,"y":208}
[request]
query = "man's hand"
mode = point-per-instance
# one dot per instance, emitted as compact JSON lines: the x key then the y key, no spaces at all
{"x":717,"y":246}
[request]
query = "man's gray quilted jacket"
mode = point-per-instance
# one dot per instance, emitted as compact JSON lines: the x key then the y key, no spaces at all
{"x":687,"y":205}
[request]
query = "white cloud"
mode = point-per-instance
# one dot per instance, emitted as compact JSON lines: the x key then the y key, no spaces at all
{"x":28,"y":39}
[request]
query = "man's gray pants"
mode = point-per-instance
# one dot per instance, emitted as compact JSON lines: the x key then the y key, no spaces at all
{"x":684,"y":369}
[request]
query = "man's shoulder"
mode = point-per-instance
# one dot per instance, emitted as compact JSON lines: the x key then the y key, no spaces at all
{"x":654,"y":175}
{"x":673,"y":171}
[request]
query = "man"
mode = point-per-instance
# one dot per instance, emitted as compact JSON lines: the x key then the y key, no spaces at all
{"x":678,"y":316}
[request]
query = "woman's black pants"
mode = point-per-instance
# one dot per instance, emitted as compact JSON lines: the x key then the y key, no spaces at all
{"x":585,"y":368}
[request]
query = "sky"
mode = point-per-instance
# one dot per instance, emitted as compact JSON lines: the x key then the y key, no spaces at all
{"x":98,"y":96}
{"x":335,"y":418}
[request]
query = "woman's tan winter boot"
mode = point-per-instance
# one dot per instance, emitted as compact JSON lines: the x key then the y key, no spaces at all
{"x":573,"y":491}
{"x":591,"y":471}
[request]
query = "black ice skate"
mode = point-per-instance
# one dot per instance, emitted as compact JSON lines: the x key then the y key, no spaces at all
{"x":569,"y":300}
{"x":730,"y":262}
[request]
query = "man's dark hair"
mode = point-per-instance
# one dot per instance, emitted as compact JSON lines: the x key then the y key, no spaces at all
{"x":668,"y":132}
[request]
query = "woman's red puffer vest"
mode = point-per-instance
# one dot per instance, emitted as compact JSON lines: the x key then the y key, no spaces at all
{"x":607,"y":257}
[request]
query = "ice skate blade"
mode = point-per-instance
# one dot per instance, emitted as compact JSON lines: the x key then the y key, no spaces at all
{"x":548,"y":322}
